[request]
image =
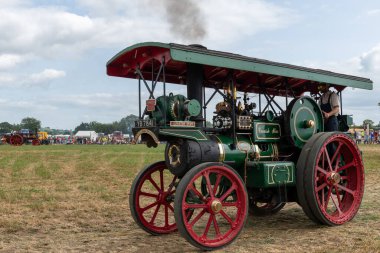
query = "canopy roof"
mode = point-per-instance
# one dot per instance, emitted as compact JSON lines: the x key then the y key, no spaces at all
{"x":250,"y":74}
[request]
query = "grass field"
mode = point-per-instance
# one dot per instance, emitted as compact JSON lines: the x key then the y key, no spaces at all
{"x":75,"y":198}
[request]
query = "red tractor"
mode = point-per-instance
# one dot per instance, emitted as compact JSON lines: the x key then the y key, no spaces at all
{"x":17,"y":138}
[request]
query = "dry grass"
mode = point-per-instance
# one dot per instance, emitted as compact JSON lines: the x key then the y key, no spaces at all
{"x":75,"y":198}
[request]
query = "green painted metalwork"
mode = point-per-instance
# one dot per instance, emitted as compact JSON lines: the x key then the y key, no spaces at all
{"x":174,"y":108}
{"x":270,"y":174}
{"x":193,"y":107}
{"x":266,"y":132}
{"x":267,"y":67}
{"x":192,"y":134}
{"x":303,"y":120}
{"x":235,"y":157}
{"x":244,"y":151}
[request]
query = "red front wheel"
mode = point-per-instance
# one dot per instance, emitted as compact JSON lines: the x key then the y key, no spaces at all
{"x":333,"y":179}
{"x":16,"y":140}
{"x":151,"y":199}
{"x":217,"y":198}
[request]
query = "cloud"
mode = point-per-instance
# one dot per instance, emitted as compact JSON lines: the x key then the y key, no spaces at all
{"x":370,"y":61}
{"x":362,"y":104}
{"x":232,"y":21}
{"x":6,"y":79}
{"x":43,"y":31}
{"x":108,"y":8}
{"x":40,"y":79}
{"x":8,"y":61}
{"x":98,"y":101}
{"x":373,"y":12}
{"x":30,"y":105}
{"x":54,"y":32}
{"x":45,"y":76}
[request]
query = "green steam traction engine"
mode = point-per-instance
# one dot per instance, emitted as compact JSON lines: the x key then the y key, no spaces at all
{"x":253,"y":159}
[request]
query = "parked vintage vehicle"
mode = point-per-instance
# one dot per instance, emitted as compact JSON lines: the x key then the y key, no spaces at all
{"x":18,"y":138}
{"x":255,"y":158}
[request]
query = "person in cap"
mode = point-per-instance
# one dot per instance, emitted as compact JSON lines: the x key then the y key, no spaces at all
{"x":330,"y":106}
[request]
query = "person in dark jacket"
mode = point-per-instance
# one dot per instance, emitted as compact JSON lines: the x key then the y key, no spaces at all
{"x":330,"y":106}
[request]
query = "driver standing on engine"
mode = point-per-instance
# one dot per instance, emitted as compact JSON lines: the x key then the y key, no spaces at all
{"x":329,"y":103}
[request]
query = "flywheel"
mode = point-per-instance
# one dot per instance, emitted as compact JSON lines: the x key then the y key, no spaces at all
{"x":303,"y":119}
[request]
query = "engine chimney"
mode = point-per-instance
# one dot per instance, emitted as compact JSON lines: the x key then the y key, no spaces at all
{"x":194,"y":81}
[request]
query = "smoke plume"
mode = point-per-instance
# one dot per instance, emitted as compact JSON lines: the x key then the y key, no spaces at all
{"x":185,"y":19}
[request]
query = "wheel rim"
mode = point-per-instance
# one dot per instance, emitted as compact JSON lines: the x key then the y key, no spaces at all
{"x":153,"y":199}
{"x":338,"y":179}
{"x":217,"y":218}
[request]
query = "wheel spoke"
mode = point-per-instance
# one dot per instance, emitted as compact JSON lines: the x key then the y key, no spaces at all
{"x":328,"y":159}
{"x":171,"y":185}
{"x":155,"y":214}
{"x":229,"y":204}
{"x":162,"y":179}
{"x":321,"y":170}
{"x":336,"y":206}
{"x":194,"y":206}
{"x":170,"y":207}
{"x":346,"y":166}
{"x":216,"y":226}
{"x":346,"y":189}
{"x":154,"y":183}
{"x":149,"y":206}
{"x":226,"y":217}
{"x":192,"y":223}
{"x":338,"y":196}
{"x":217,"y":182}
{"x":208,"y":184}
{"x":200,"y":196}
{"x":228,"y":192}
{"x":147,"y":194}
{"x":323,"y":197}
{"x":166,"y":216}
{"x":208,"y":225}
{"x":328,"y":197}
{"x":321,"y":186}
{"x":336,"y":155}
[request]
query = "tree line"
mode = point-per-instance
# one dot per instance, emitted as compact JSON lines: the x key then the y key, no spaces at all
{"x":125,"y":125}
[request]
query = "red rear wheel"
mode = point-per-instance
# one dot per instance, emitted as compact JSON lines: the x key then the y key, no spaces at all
{"x":16,"y":140}
{"x":334,"y":179}
{"x":217,"y":198}
{"x":151,"y":197}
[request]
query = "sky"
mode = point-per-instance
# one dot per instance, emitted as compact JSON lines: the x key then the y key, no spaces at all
{"x":53,"y":54}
